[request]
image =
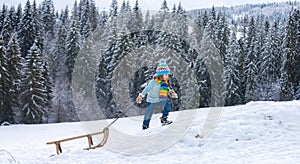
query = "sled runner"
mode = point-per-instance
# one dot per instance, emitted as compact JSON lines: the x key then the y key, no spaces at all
{"x":105,"y":133}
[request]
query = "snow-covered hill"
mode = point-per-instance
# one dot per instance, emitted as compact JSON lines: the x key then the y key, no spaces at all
{"x":273,"y":11}
{"x":258,"y":132}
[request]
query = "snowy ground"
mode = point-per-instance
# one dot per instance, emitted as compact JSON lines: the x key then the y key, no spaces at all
{"x":258,"y":132}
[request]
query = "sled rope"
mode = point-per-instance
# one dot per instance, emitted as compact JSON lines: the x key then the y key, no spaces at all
{"x":129,"y":107}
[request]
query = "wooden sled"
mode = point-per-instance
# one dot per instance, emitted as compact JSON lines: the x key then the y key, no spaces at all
{"x":105,"y":133}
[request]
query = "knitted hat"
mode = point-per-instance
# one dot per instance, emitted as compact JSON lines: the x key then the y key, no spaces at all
{"x":162,"y":68}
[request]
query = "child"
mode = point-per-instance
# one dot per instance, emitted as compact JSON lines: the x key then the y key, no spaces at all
{"x":157,"y":90}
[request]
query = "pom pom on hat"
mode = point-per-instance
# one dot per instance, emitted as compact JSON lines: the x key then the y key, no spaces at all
{"x":162,"y":68}
{"x":162,"y":61}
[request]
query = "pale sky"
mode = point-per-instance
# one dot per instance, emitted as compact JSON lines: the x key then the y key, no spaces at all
{"x":152,"y":4}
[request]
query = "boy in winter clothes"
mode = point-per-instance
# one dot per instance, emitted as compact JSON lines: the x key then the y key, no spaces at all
{"x":157,"y":90}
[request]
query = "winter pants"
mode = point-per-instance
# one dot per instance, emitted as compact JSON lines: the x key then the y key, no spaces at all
{"x":150,"y":107}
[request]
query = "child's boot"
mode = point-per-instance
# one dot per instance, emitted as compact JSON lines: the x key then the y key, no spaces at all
{"x":164,"y":121}
{"x":145,"y":127}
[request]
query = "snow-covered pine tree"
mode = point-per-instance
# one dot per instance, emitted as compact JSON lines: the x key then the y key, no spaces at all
{"x":33,"y":95}
{"x":174,"y":9}
{"x":80,"y":9}
{"x":265,"y":71}
{"x":84,"y":7}
{"x":12,"y":13}
{"x":69,"y":48}
{"x":168,"y":26}
{"x":251,"y":38}
{"x":65,"y":17}
{"x":93,"y":15}
{"x":288,"y":74}
{"x":124,"y":19}
{"x":198,"y":29}
{"x":148,"y":23}
{"x":7,"y":30}
{"x":15,"y":70}
{"x":56,"y":15}
{"x":118,"y":45}
{"x":241,"y":64}
{"x":262,"y":30}
{"x":123,"y":8}
{"x":83,"y":85}
{"x":101,"y":89}
{"x":168,"y":36}
{"x":181,"y":20}
{"x":6,"y":111}
{"x":73,"y":42}
{"x":276,"y":49}
{"x":297,"y":55}
{"x":106,"y":68}
{"x":87,"y":29}
{"x":113,"y":10}
{"x":286,"y":88}
{"x":250,"y":81}
{"x":136,"y":21}
{"x":47,"y":84}
{"x":48,"y":16}
{"x":38,"y":28}
{"x":128,"y":7}
{"x":212,"y":70}
{"x":195,"y":39}
{"x":271,"y":60}
{"x":250,"y":62}
{"x":213,"y":14}
{"x":244,"y":24}
{"x":86,"y":66}
{"x":161,"y":16}
{"x":2,"y":16}
{"x":18,"y":17}
{"x":103,"y":18}
{"x":233,"y":96}
{"x":58,"y":51}
{"x":63,"y":108}
{"x":241,"y":68}
{"x":180,"y":9}
{"x":164,"y":6}
{"x":111,"y":32}
{"x":205,"y":19}
{"x":26,"y":33}
{"x":211,"y":27}
{"x":223,"y":34}
{"x":204,"y":83}
{"x":58,"y":69}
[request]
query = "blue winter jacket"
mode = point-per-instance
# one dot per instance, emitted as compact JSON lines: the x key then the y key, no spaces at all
{"x":152,"y":89}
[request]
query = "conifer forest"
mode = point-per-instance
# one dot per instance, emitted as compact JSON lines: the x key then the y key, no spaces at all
{"x":253,"y":49}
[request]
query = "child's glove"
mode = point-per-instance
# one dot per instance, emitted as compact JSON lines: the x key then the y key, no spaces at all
{"x":139,"y":99}
{"x":173,"y":94}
